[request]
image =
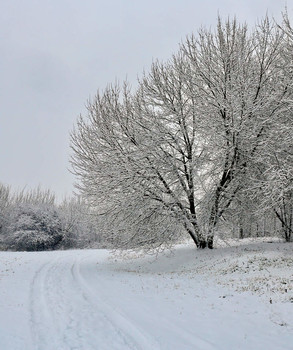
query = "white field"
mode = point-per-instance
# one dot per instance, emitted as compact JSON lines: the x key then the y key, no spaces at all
{"x":229,"y":298}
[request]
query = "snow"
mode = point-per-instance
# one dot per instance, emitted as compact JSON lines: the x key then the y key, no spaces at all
{"x":237,"y":297}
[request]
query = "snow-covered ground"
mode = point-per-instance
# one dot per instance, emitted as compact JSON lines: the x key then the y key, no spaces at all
{"x":229,"y":298}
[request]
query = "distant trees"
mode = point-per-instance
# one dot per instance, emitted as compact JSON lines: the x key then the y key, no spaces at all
{"x":33,"y":221}
{"x":78,"y":224}
{"x":201,"y":132}
{"x":272,"y":177}
{"x":4,"y":197}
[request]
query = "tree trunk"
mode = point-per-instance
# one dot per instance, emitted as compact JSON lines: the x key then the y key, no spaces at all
{"x":210,"y":242}
{"x":194,"y":238}
{"x":202,"y":244}
{"x":286,"y":222}
{"x":241,"y":232}
{"x":200,"y":241}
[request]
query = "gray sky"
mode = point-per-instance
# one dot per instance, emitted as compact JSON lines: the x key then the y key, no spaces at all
{"x":54,"y":54}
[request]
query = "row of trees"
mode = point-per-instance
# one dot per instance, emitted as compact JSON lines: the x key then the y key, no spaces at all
{"x":32,"y":220}
{"x":203,"y":137}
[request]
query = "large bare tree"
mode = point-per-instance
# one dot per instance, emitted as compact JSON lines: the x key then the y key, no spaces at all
{"x":171,"y":156}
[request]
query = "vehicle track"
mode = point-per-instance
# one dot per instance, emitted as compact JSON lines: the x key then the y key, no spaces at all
{"x":67,"y":314}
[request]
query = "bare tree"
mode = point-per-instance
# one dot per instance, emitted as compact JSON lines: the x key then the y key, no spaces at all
{"x":274,"y":179}
{"x":172,"y":156}
{"x":119,"y":175}
{"x":241,"y":96}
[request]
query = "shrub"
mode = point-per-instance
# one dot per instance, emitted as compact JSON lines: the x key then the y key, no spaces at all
{"x":33,"y":227}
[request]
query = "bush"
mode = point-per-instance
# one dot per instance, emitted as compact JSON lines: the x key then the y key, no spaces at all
{"x":33,"y":227}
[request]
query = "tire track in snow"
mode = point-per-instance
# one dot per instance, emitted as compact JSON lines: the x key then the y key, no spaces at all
{"x":137,"y":338}
{"x":189,"y":336}
{"x":41,"y":315}
{"x":68,"y":315}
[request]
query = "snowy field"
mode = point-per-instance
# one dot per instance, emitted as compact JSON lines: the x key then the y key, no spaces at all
{"x":229,"y":298}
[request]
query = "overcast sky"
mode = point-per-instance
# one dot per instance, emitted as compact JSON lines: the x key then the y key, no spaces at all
{"x":54,"y":54}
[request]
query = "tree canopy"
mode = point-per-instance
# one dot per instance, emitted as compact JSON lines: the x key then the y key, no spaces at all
{"x":210,"y":125}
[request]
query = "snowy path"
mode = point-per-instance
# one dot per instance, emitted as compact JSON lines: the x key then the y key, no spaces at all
{"x":85,"y":300}
{"x":74,"y":314}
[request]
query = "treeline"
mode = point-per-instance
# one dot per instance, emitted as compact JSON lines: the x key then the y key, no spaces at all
{"x":33,"y":221}
{"x":202,"y":147}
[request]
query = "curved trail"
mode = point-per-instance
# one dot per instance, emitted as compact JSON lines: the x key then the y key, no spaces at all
{"x":67,"y":313}
{"x":93,"y":300}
